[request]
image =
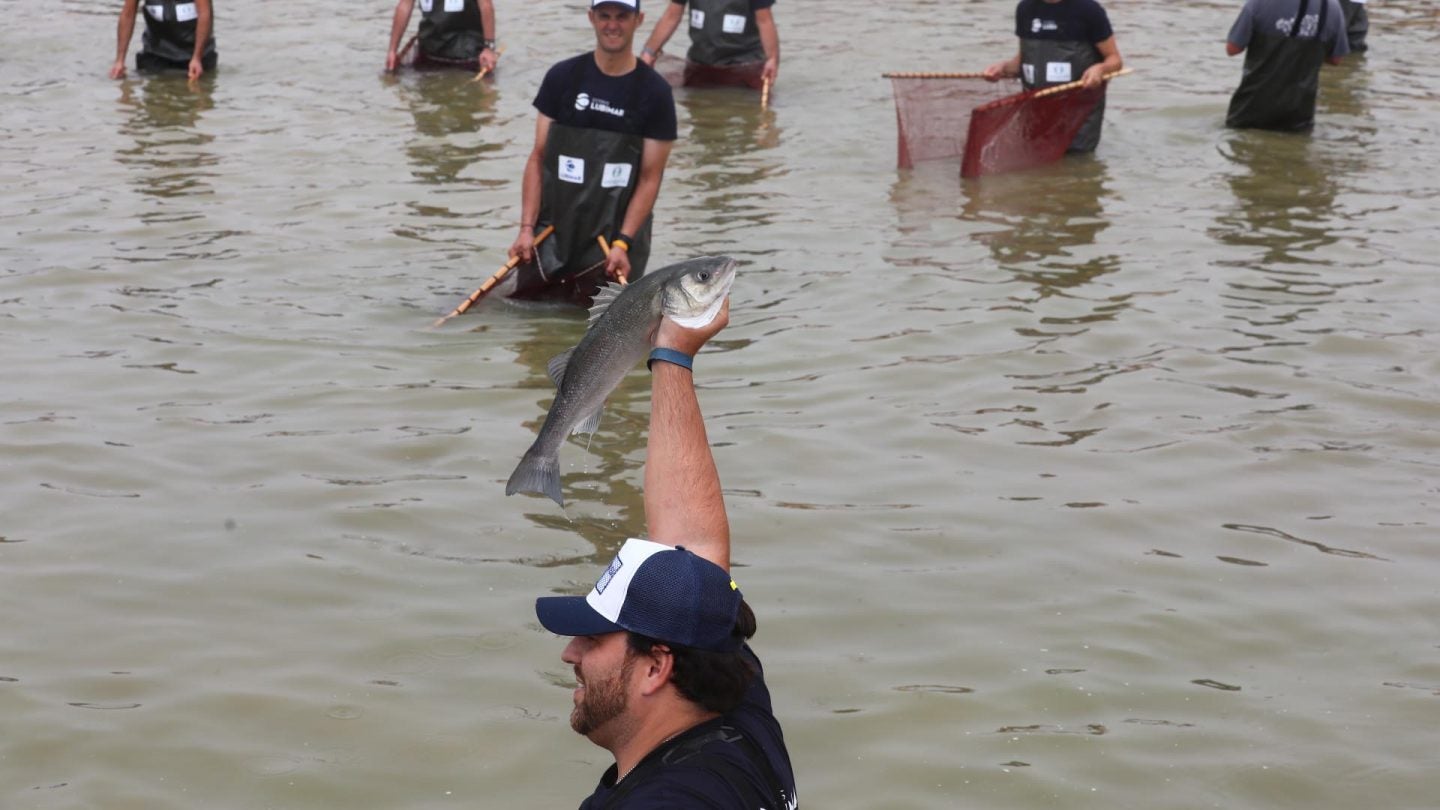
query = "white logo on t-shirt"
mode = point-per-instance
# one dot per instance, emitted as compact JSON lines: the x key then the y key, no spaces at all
{"x":582,"y":101}
{"x":572,"y":169}
{"x":732,"y":24}
{"x":697,"y":18}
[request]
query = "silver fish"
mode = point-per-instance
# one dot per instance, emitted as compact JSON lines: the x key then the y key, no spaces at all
{"x":622,"y":324}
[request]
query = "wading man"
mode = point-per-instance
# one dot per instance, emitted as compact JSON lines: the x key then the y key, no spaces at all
{"x":179,"y":35}
{"x":1063,"y":41}
{"x":602,"y":137}
{"x":731,"y":41}
{"x":665,"y":679}
{"x":453,"y":33}
{"x":1285,"y":42}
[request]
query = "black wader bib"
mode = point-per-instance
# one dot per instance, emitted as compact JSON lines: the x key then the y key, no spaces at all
{"x":169,"y":41}
{"x":723,"y":32}
{"x":450,"y":31}
{"x":1281,"y":78}
{"x":1047,"y":62}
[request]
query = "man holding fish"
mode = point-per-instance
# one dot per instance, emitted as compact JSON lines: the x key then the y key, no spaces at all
{"x":602,"y":137}
{"x":665,"y":678}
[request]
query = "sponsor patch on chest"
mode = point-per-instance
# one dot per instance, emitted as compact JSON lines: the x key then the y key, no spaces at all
{"x":571,"y":169}
{"x":732,"y":24}
{"x":616,"y":175}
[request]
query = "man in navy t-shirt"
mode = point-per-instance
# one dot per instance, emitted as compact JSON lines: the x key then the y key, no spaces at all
{"x":666,"y":680}
{"x":1063,"y":41}
{"x":603,"y":135}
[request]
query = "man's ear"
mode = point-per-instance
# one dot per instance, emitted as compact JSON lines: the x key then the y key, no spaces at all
{"x":655,"y":667}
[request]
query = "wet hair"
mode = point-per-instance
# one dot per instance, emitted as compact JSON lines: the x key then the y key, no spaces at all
{"x":716,"y":681}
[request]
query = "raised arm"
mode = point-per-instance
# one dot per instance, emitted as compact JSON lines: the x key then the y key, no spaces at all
{"x":683,"y":502}
{"x":664,"y":29}
{"x":124,"y":30}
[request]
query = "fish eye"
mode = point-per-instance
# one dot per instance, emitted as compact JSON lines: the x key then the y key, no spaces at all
{"x":704,"y":276}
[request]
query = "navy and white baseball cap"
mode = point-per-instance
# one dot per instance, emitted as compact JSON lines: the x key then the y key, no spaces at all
{"x":633,"y":5}
{"x":667,"y":593}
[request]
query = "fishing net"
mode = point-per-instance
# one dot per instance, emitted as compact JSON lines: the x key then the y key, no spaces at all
{"x":991,"y":126}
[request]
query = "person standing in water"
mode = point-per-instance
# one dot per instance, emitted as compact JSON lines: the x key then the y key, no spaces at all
{"x":453,"y":33}
{"x":603,"y":134}
{"x":179,"y":35}
{"x":731,"y":41}
{"x":1285,"y":42}
{"x":1063,"y":41}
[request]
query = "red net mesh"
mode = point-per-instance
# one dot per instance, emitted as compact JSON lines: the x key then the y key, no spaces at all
{"x":933,"y":114}
{"x":992,"y":126}
{"x":1025,"y":130}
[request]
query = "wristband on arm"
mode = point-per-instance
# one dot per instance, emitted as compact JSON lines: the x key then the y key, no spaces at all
{"x":680,"y":359}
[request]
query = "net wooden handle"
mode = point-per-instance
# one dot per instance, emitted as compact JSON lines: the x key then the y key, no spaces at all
{"x":924,"y":75}
{"x":1060,"y":88}
{"x":493,"y":280}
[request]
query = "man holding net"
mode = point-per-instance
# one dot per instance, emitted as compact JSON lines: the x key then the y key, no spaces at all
{"x":1063,"y":41}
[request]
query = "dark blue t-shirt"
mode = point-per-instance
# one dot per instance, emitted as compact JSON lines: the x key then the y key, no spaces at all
{"x":699,"y":781}
{"x":1067,"y":21}
{"x":755,"y":5}
{"x":577,"y":94}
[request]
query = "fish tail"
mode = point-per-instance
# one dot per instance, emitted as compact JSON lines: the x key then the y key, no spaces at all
{"x":537,"y":472}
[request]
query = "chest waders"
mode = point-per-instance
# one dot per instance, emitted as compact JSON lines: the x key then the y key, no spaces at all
{"x":1046,"y":63}
{"x":1281,"y":78}
{"x":169,"y":41}
{"x":451,"y":31}
{"x":690,"y":751}
{"x":726,"y":33}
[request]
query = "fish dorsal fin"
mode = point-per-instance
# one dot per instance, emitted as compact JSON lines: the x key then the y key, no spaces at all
{"x":557,"y":365}
{"x":604,"y":297}
{"x":590,"y":423}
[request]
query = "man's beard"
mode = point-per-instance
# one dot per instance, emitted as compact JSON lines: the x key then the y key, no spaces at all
{"x":603,"y":701}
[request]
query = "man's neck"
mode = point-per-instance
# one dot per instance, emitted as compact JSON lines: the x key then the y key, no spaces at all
{"x":652,"y":735}
{"x":615,"y":64}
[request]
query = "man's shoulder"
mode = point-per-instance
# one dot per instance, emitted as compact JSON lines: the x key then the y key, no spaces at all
{"x":563,"y":69}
